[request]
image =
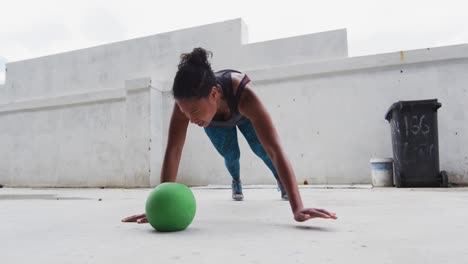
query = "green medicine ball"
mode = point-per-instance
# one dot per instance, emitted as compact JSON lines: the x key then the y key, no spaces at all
{"x":170,"y":207}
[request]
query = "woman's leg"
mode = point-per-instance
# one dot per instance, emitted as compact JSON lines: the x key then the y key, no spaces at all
{"x":250,"y":135}
{"x":225,"y":142}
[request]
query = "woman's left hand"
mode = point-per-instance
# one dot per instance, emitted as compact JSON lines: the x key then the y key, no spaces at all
{"x":305,"y":214}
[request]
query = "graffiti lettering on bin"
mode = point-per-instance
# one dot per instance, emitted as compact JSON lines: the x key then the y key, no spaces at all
{"x":422,"y":150}
{"x":415,"y":125}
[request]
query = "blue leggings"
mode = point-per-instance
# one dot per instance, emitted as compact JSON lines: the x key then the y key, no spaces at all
{"x":224,"y":140}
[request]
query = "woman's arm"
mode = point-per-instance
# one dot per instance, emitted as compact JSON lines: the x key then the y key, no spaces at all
{"x":252,"y":108}
{"x":175,"y":143}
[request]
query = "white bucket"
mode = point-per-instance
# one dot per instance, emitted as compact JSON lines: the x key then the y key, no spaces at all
{"x":382,"y":172}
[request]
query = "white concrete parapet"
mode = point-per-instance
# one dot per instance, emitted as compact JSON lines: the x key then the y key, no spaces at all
{"x":87,"y":118}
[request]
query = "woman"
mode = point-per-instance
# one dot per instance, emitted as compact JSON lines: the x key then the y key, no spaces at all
{"x":220,"y":102}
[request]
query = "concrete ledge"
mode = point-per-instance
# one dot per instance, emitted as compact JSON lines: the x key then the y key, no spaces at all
{"x":294,"y":50}
{"x":137,"y":84}
{"x":134,"y":85}
{"x":71,"y":99}
{"x":345,"y":186}
{"x":429,"y":55}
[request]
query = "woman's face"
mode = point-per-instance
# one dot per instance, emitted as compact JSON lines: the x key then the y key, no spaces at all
{"x":200,"y":111}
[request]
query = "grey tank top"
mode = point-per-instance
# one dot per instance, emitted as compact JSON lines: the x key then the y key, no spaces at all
{"x":223,"y":78}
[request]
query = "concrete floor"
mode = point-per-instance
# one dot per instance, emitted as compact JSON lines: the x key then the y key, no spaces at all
{"x":374,"y":226}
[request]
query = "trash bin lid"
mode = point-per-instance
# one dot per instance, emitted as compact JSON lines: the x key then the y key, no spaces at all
{"x":381,"y":160}
{"x":400,"y":105}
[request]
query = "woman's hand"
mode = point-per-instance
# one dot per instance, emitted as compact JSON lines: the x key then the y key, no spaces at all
{"x":140,"y":219}
{"x":305,"y":214}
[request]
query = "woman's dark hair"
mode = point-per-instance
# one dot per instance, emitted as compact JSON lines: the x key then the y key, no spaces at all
{"x":195,"y":78}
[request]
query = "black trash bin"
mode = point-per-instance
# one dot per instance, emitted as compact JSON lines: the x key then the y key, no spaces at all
{"x":415,"y":144}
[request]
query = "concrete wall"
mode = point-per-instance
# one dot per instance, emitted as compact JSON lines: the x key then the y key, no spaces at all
{"x":99,"y":116}
{"x":330,"y":115}
{"x":71,"y":119}
{"x":108,"y":66}
{"x":90,"y":139}
{"x":301,"y":49}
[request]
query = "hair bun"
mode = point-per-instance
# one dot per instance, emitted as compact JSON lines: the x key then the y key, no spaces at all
{"x":198,"y":57}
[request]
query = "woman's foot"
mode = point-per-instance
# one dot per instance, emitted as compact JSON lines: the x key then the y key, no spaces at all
{"x":284,"y":194}
{"x":237,"y":190}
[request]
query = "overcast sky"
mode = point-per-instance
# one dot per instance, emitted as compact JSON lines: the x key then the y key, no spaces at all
{"x":33,"y":28}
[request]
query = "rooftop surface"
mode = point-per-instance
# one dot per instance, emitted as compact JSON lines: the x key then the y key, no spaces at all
{"x":379,"y":225}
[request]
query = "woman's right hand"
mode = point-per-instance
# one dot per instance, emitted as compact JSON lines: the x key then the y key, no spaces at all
{"x":140,"y":219}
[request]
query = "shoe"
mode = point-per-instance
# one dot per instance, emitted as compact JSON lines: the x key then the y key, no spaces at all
{"x":237,"y":190}
{"x":284,"y":194}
